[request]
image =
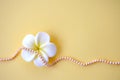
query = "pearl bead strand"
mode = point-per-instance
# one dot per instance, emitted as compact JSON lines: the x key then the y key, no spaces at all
{"x":62,"y":58}
{"x":66,"y":58}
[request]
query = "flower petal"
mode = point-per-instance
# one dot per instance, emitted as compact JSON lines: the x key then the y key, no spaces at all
{"x":41,"y":38}
{"x":28,"y":56}
{"x":49,"y":49}
{"x":38,"y":62}
{"x":29,"y":41}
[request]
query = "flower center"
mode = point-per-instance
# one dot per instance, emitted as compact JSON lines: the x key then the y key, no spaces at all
{"x":37,"y":48}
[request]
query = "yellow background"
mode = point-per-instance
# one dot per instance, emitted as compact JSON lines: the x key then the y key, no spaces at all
{"x":84,"y":29}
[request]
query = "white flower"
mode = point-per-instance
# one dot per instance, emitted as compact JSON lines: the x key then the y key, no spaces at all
{"x":41,"y":43}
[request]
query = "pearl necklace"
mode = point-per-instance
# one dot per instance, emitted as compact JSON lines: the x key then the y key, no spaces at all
{"x":62,"y":58}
